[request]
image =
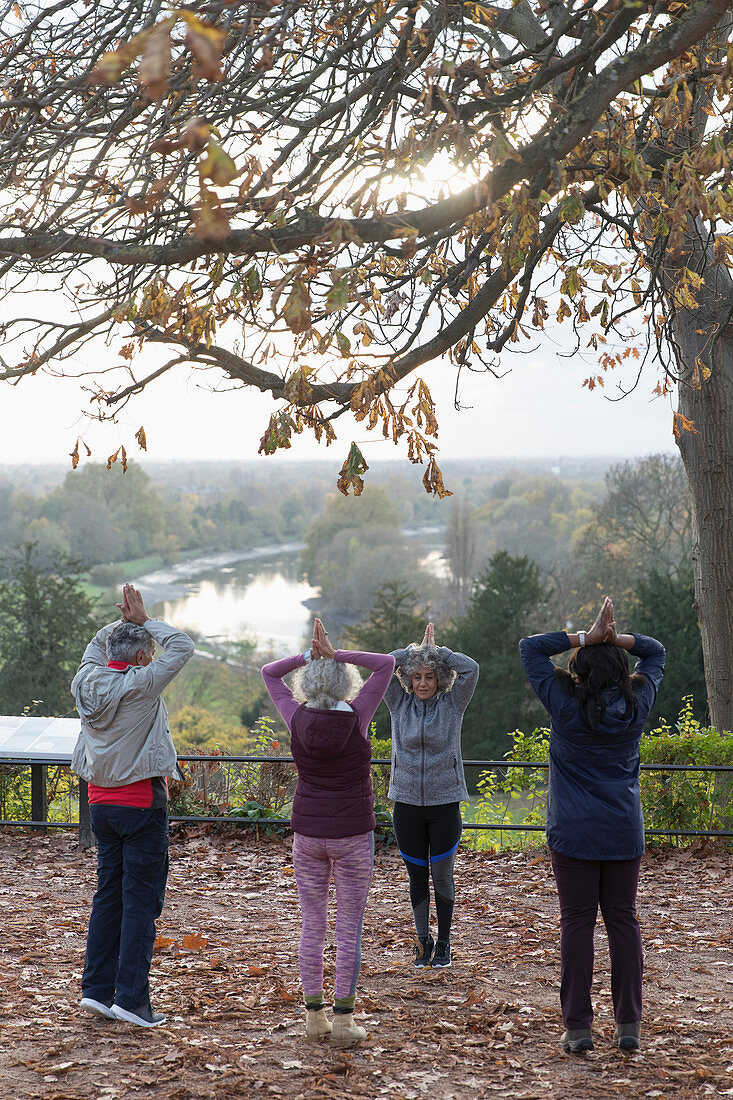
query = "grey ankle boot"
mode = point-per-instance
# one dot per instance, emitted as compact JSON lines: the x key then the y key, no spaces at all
{"x":628,"y":1036}
{"x":577,"y":1041}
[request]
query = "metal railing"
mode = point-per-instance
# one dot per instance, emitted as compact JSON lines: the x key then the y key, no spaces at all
{"x":39,"y":819}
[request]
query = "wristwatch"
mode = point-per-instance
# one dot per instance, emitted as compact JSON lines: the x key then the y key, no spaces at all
{"x":581,"y":638}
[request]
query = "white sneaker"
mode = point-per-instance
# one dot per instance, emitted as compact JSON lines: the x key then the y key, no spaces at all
{"x":97,"y":1008}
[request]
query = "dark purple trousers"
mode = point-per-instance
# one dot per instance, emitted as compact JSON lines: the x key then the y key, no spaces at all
{"x":583,"y":885}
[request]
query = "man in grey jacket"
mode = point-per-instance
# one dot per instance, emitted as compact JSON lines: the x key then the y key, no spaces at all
{"x":125,"y":752}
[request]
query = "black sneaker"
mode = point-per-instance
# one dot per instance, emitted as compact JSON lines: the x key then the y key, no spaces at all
{"x":423,"y":950}
{"x":142,"y":1016}
{"x":441,"y":958}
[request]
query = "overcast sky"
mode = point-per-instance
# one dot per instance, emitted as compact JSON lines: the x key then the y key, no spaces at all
{"x":539,"y":408}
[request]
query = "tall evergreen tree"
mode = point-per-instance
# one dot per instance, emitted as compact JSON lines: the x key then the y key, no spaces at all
{"x":46,"y":621}
{"x":506,"y":603}
{"x":664,"y":608}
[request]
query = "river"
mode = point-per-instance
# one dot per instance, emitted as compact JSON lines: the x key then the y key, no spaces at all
{"x":257,"y":596}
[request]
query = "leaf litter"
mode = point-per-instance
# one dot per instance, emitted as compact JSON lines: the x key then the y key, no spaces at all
{"x":225,"y":973}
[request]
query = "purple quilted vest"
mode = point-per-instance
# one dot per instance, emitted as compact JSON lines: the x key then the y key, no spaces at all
{"x":334,"y":793}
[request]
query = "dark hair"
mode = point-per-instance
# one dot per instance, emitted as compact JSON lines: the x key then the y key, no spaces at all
{"x":593,"y":670}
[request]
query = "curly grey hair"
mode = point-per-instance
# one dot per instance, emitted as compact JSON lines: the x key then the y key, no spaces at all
{"x":419,"y":656}
{"x":126,"y":640}
{"x":323,"y":682}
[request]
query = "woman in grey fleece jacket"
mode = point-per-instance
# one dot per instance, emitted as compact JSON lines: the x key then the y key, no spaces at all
{"x":427,"y":698}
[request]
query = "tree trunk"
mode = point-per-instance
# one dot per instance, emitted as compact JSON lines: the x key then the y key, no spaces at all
{"x":707,"y":454}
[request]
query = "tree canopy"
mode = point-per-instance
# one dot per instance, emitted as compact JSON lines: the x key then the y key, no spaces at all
{"x":250,"y":185}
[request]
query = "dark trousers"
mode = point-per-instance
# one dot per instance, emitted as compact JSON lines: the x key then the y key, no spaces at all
{"x":428,"y":838}
{"x":583,"y":885}
{"x":132,"y":868}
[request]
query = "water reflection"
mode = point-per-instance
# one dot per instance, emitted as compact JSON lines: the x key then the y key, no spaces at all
{"x":264,"y":605}
{"x":256,"y":595}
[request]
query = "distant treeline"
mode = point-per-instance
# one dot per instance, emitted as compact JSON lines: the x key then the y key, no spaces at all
{"x":519,"y":548}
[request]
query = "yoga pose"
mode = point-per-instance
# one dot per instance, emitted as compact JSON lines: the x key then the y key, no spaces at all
{"x":595,"y":827}
{"x":125,"y":753}
{"x":328,"y":716}
{"x":427,"y":699}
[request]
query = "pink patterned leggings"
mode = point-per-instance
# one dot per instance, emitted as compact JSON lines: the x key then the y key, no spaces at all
{"x":350,"y":859}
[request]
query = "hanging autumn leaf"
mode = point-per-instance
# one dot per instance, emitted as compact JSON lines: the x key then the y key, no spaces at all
{"x":211,"y":222}
{"x":433,"y":480}
{"x":297,"y":308}
{"x":352,"y":472}
{"x":218,"y":165}
{"x":682,"y":424}
{"x":196,"y":135}
{"x":338,"y":295}
{"x":141,"y":438}
{"x":206,"y":44}
{"x":155,"y":64}
{"x":112,"y":64}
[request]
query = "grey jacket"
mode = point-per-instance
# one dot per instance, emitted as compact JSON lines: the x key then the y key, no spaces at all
{"x":124,"y":722}
{"x":427,"y":767}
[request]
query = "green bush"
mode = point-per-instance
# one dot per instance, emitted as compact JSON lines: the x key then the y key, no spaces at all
{"x":687,"y":800}
{"x":223,"y":788}
{"x":517,"y":796}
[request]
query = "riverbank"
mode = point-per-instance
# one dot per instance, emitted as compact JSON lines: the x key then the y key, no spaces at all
{"x":256,"y":598}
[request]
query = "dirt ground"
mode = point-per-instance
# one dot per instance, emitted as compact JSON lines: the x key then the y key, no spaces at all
{"x":225,"y":972}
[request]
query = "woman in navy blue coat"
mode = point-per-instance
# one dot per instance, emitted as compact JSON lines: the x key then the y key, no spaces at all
{"x":595,"y":827}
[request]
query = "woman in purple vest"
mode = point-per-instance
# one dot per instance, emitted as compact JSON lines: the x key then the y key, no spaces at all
{"x":328,"y":716}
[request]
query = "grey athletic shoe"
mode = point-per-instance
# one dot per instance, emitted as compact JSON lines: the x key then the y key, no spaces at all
{"x":628,"y":1036}
{"x":142,"y":1016}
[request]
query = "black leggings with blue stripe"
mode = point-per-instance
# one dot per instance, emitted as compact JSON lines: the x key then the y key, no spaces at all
{"x":428,"y":838}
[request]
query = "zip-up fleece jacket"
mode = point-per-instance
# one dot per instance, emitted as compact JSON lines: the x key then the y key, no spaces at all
{"x":593,"y":798}
{"x":427,"y":766}
{"x":124,"y":722}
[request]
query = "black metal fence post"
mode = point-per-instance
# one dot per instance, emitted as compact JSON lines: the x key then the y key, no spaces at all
{"x":86,"y":837}
{"x":39,"y":795}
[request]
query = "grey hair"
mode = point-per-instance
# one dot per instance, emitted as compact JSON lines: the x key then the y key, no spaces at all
{"x":126,"y":640}
{"x":425,"y":656}
{"x":323,"y":682}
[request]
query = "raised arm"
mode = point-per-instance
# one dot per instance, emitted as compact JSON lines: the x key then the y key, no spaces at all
{"x":395,"y":693}
{"x":177,"y":649}
{"x":535,"y":653}
{"x":381,"y":666}
{"x":279,"y":692}
{"x":96,"y":652}
{"x":466,"y":670}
